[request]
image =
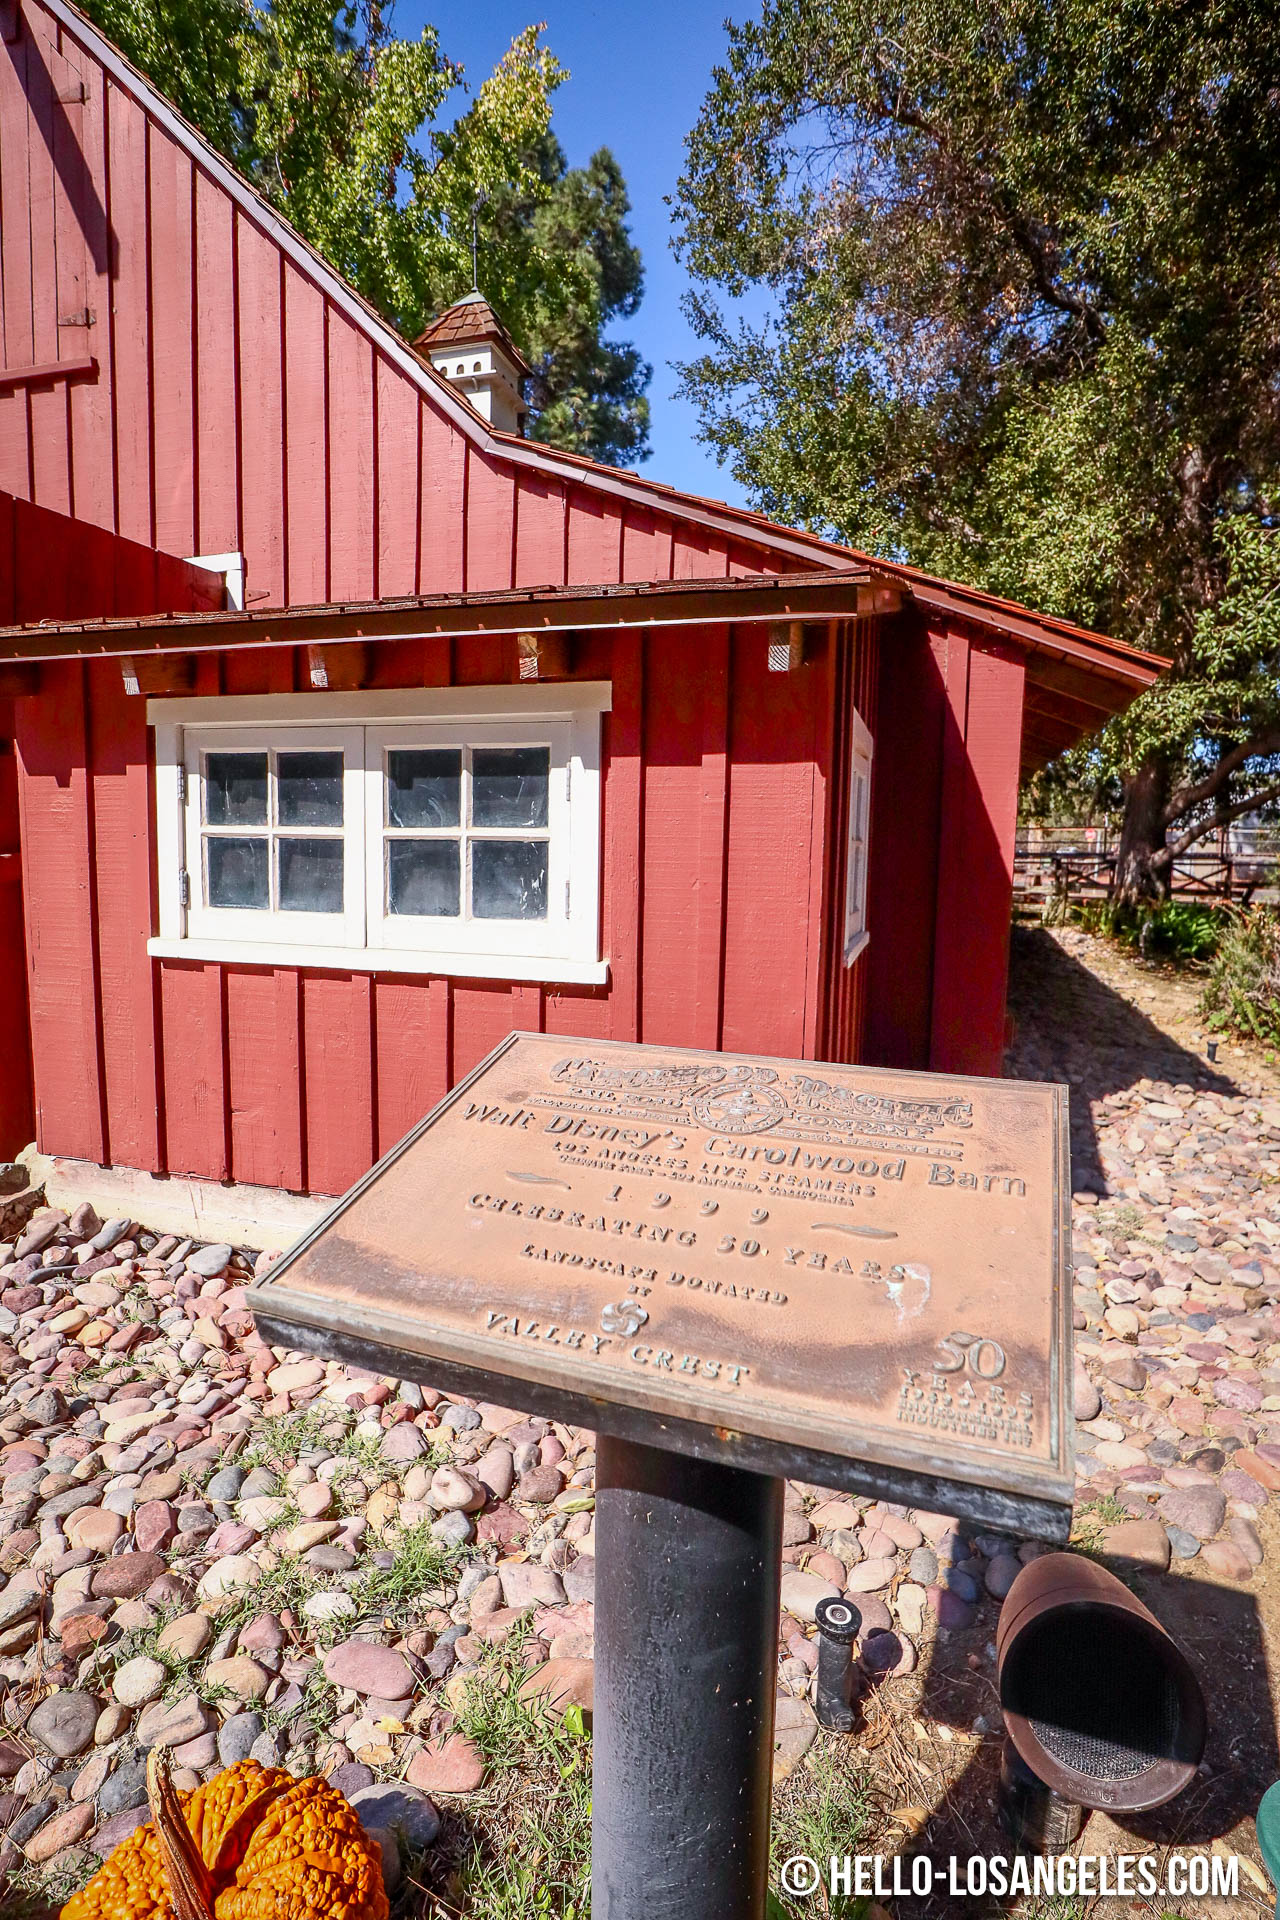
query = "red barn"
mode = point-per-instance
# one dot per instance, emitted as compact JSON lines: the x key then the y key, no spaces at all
{"x":351,"y":730}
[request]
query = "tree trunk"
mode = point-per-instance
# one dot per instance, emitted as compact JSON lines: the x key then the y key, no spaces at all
{"x":1142,"y":868}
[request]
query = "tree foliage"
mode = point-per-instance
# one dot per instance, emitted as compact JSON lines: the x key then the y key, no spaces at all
{"x":343,"y":125}
{"x":1024,"y":326}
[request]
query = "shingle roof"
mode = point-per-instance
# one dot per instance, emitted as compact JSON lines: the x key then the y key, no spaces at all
{"x":468,"y":320}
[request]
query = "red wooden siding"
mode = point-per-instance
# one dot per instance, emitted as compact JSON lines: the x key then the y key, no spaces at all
{"x":714,"y":820}
{"x":854,"y":677}
{"x":88,"y":880}
{"x":944,"y":802}
{"x":236,"y":404}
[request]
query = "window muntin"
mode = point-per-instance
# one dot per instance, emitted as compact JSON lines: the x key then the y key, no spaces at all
{"x":472,"y":841}
{"x":289,"y":799}
{"x":856,"y":933}
{"x":452,"y":817}
{"x":270,"y":821}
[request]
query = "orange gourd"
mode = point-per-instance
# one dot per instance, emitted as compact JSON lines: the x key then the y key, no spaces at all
{"x":253,"y":1843}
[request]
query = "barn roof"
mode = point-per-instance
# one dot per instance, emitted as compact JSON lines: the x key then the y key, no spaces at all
{"x":1075,"y":679}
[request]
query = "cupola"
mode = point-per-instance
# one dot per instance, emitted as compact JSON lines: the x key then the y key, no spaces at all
{"x":471,"y":347}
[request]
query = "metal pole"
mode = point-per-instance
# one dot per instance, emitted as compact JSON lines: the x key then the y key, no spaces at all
{"x":686,"y":1632}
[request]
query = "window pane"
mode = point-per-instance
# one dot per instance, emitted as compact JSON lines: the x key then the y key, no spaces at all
{"x":422,"y":876}
{"x":309,"y":874}
{"x":235,"y":789}
{"x":309,"y":789}
{"x":236,"y":871}
{"x":509,"y":787}
{"x":509,"y":879}
{"x":424,"y":788}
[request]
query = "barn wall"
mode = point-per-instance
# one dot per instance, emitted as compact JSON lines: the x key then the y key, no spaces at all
{"x":854,"y":688}
{"x":944,"y":805}
{"x":714,"y":824}
{"x":234,"y":405}
{"x":52,"y":568}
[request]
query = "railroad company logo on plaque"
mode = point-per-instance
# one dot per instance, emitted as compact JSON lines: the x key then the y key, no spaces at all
{"x":778,"y":1262}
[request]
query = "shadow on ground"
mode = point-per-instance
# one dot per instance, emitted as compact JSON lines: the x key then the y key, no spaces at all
{"x":1070,"y":1025}
{"x":1220,"y":1630}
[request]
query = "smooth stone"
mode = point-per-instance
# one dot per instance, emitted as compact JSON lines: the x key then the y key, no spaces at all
{"x":1088,"y":1401}
{"x":1199,"y":1510}
{"x":210,"y":1261}
{"x":1000,"y":1575}
{"x":453,"y":1529}
{"x":127,"y":1821}
{"x":398,"y":1809}
{"x":887,"y":1653}
{"x":526,"y":1584}
{"x":870,"y":1576}
{"x":1143,"y":1541}
{"x":540,"y":1486}
{"x":187,"y":1637}
{"x":953,"y":1612}
{"x":227,"y":1576}
{"x":172,"y":1723}
{"x":923,"y":1566}
{"x":404,"y":1444}
{"x":496,"y":1471}
{"x":801,"y":1593}
{"x":64,"y":1830}
{"x":226,"y":1484}
{"x":794,"y":1731}
{"x":126,"y":1787}
{"x":139,"y":1681}
{"x":562,"y":1684}
{"x":1226,"y":1559}
{"x":451,"y":1765}
{"x":64,"y":1723}
{"x":240,"y":1675}
{"x":1182,"y":1545}
{"x":125,"y":1575}
{"x":365,"y":1667}
{"x":236,"y":1737}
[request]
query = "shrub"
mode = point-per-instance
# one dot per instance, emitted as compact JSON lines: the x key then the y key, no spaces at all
{"x":1243,"y":993}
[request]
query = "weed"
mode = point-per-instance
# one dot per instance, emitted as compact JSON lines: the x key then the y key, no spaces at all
{"x":1243,"y":993}
{"x":420,"y":1564}
{"x":540,"y":1765}
{"x":825,"y":1810}
{"x":280,"y":1440}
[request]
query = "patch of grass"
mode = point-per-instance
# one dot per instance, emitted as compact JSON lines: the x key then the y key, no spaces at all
{"x":289,"y":1584}
{"x":825,"y":1808}
{"x":421,"y":1563}
{"x":281,"y":1439}
{"x":532,"y":1853}
{"x":32,"y":1893}
{"x":1121,"y":1220}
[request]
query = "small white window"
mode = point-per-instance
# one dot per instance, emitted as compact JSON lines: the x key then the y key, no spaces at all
{"x":454,"y":830}
{"x":855,"y":897}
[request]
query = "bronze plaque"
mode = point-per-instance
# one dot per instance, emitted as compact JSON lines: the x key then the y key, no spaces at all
{"x":792,"y":1265}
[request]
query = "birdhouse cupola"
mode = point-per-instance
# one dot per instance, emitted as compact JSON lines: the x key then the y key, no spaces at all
{"x":471,"y":347}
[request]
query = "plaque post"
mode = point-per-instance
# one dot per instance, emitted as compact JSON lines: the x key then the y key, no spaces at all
{"x":686,"y":1631}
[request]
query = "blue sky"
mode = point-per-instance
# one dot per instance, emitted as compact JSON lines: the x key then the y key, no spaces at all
{"x":638,"y":75}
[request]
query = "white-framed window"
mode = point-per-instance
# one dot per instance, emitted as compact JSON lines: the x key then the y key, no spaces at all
{"x":855,"y":894}
{"x":441,"y":830}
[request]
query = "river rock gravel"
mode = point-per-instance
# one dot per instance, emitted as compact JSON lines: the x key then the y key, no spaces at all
{"x":200,"y":1535}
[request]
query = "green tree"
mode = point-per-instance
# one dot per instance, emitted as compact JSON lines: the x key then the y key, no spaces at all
{"x":343,"y":125}
{"x":1024,"y":327}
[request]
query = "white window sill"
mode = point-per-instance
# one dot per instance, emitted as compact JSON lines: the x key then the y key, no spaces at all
{"x":855,"y":947}
{"x":463,"y":966}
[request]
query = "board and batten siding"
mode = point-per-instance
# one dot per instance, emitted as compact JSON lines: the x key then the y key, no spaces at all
{"x":215,"y":396}
{"x":717,"y":797}
{"x":51,"y":568}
